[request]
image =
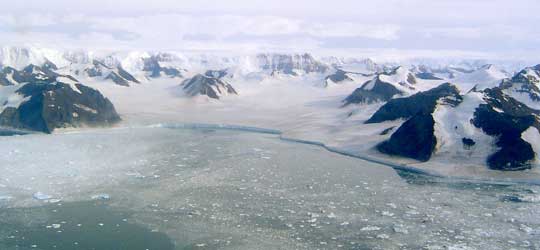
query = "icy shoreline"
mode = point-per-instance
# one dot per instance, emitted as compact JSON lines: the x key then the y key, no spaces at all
{"x":394,"y":165}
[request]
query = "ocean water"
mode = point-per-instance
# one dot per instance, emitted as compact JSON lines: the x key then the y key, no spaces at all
{"x":162,"y":188}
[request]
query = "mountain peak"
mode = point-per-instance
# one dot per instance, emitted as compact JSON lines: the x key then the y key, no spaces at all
{"x":207,"y":85}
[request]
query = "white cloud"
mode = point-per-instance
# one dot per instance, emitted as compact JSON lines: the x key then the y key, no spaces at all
{"x":483,"y":26}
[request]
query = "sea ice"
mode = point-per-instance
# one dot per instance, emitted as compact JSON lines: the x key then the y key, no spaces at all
{"x":41,"y":196}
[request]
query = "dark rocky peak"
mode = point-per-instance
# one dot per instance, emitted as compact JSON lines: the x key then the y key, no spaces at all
{"x":427,"y":76}
{"x":48,"y":65}
{"x":414,"y":139}
{"x":8,"y":70}
{"x":98,"y":63}
{"x":153,"y":66}
{"x":526,"y":81}
{"x":384,"y":86}
{"x":373,"y":91}
{"x":506,"y":118}
{"x":172,"y":72}
{"x":209,"y":86}
{"x":57,"y":105}
{"x":117,"y":74}
{"x":421,"y":102}
{"x":339,"y":76}
{"x":126,"y":75}
{"x":216,"y":73}
{"x":9,"y":76}
{"x":398,"y":76}
{"x":97,"y":69}
{"x":33,"y":70}
{"x":530,"y":75}
{"x":497,"y":99}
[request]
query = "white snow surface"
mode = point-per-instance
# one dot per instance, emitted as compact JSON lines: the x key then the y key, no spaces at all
{"x":453,"y":124}
{"x":300,"y":108}
{"x":9,"y":97}
{"x":486,"y":77}
{"x":532,"y":136}
{"x":296,"y":105}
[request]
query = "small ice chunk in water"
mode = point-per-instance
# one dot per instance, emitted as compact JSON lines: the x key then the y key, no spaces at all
{"x":101,"y":197}
{"x":383,"y":236}
{"x":400,"y":229}
{"x":41,"y":196}
{"x":386,"y":213}
{"x":370,"y":228}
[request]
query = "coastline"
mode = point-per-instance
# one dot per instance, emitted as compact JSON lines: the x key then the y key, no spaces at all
{"x":396,"y":166}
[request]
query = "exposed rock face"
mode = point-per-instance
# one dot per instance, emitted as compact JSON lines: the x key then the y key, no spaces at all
{"x":44,"y":106}
{"x":10,"y":76}
{"x":498,"y":115}
{"x":373,"y":91}
{"x":338,"y":77}
{"x":427,"y":76}
{"x":383,"y":87}
{"x":422,"y":102}
{"x":153,"y":66}
{"x":525,"y":83}
{"x":467,"y":142}
{"x":118,"y":75}
{"x":291,"y":64}
{"x":414,"y":139}
{"x":506,"y":118}
{"x":216,"y":73}
{"x":209,"y":86}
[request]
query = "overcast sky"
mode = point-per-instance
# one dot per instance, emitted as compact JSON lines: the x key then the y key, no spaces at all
{"x":468,"y":28}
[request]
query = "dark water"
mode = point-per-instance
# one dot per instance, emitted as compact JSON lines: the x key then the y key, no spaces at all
{"x":80,"y":225}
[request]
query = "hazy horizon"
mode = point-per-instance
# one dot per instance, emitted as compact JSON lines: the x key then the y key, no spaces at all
{"x":396,"y":29}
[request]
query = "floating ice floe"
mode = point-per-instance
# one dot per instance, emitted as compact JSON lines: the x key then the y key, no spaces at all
{"x":400,"y":229}
{"x":101,"y":197}
{"x":41,"y":196}
{"x":370,"y":228}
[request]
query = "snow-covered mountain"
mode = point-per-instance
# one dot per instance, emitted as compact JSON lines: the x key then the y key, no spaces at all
{"x":442,"y":121}
{"x":525,"y":86}
{"x":102,"y":72}
{"x":295,"y":64}
{"x":384,"y":86}
{"x":338,"y":77}
{"x":426,"y":112}
{"x":363,"y":66}
{"x":487,"y":76}
{"x":41,"y":100}
{"x":208,"y":84}
{"x":20,"y":57}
